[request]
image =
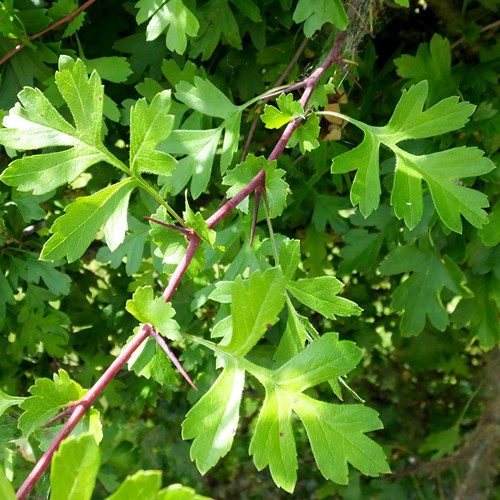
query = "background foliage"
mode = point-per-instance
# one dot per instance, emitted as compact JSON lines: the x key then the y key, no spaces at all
{"x":421,"y":259}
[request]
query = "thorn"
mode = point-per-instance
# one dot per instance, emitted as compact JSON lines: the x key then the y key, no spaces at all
{"x":257,"y":194}
{"x":182,"y":230}
{"x":161,"y":342}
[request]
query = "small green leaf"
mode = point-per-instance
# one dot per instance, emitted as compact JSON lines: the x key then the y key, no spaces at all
{"x":74,"y":469}
{"x":172,"y":17}
{"x":154,"y":310}
{"x":443,"y":443}
{"x":196,"y":222}
{"x":47,"y":399}
{"x":306,"y":136}
{"x":143,"y":485}
{"x":317,"y":13}
{"x":288,"y":110}
{"x":7,"y":401}
{"x":112,"y":68}
{"x":243,"y":173}
{"x":149,"y":125}
{"x":320,"y":294}
{"x":255,"y":306}
{"x":150,"y":361}
{"x":74,"y":231}
{"x":213,"y":420}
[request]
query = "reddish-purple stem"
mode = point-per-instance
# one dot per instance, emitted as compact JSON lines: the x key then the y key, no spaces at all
{"x":81,"y":407}
{"x":258,"y":182}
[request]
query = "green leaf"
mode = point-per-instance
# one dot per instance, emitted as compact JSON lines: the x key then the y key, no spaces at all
{"x":143,"y":485}
{"x":360,"y":250}
{"x":196,"y":222}
{"x":212,"y":422}
{"x":47,"y":399}
{"x":36,"y":124}
{"x":217,"y":22}
{"x":441,"y":171}
{"x":326,"y":211}
{"x":130,"y":251}
{"x":112,"y":68}
{"x":7,"y":401}
{"x":6,"y":490}
{"x":320,"y":294}
{"x":6,"y":296}
{"x":180,"y":492}
{"x":433,"y":63}
{"x":288,"y":110}
{"x":337,"y":437}
{"x":443,"y":443}
{"x":334,"y":441}
{"x":172,"y":17}
{"x":273,"y":443}
{"x":150,"y":361}
{"x":255,"y":306}
{"x":205,"y":98}
{"x":317,"y":13}
{"x":306,"y":136}
{"x":149,"y":125}
{"x":419,"y":297}
{"x":74,"y":469}
{"x":148,"y":309}
{"x":324,"y":359}
{"x":243,"y":173}
{"x":200,"y":147}
{"x":74,"y":231}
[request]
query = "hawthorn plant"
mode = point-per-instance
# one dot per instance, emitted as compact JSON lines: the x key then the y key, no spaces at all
{"x":174,"y":194}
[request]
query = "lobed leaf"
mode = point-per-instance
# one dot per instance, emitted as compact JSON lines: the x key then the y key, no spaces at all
{"x":442,"y":171}
{"x":147,"y":308}
{"x":34,"y":123}
{"x":255,"y":306}
{"x":316,"y":14}
{"x":48,"y":397}
{"x":171,"y":17}
{"x":213,"y":420}
{"x":149,"y":125}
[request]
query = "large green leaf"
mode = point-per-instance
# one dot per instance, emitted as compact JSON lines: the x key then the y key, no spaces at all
{"x":74,"y":469}
{"x":75,"y":230}
{"x":442,"y":171}
{"x":34,"y":123}
{"x":334,"y":441}
{"x":255,"y":306}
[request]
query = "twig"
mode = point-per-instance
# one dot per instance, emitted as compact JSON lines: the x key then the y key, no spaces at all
{"x":81,"y":407}
{"x":278,"y":82}
{"x":63,"y":20}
